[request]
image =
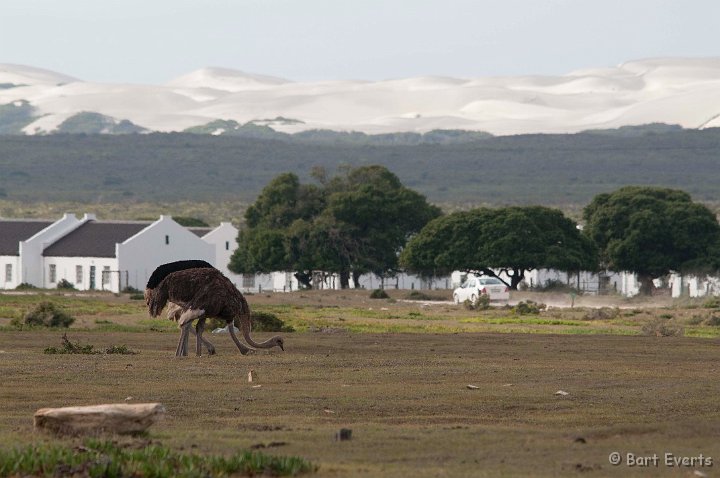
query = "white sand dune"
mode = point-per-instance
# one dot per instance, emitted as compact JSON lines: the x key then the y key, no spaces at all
{"x":680,"y":91}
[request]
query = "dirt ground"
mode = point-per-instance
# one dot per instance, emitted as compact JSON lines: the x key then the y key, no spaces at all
{"x":404,"y":396}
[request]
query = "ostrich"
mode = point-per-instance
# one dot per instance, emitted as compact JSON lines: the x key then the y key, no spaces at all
{"x":202,"y":293}
{"x":174,"y":311}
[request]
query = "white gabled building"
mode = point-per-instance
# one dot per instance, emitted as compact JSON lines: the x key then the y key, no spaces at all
{"x":224,"y":240}
{"x":21,"y":244}
{"x":113,"y":255}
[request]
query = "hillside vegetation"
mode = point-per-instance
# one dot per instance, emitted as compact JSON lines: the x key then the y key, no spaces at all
{"x":559,"y":170}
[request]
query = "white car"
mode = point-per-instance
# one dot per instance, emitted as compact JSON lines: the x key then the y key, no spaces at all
{"x":474,"y":287}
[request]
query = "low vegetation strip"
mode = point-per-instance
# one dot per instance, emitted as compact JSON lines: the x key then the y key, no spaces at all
{"x":107,"y":459}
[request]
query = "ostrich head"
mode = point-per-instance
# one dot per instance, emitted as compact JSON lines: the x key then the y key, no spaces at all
{"x":277,"y":341}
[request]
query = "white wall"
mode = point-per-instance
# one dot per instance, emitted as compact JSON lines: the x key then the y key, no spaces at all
{"x":14,"y":262}
{"x":224,"y":239}
{"x":65,"y":268}
{"x":141,"y":254}
{"x":31,"y":259}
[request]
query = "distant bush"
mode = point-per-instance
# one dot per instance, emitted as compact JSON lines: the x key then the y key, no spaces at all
{"x":603,"y":313}
{"x":25,"y":286}
{"x":260,"y":321}
{"x":64,"y":284}
{"x":75,"y":348}
{"x":418,"y":295}
{"x":712,"y":303}
{"x":130,"y":290}
{"x":267,"y":322}
{"x":45,"y":314}
{"x":529,"y":307}
{"x":481,"y":303}
{"x":138,"y":296}
{"x":379,"y":294}
{"x":661,"y":328}
{"x":713,"y":321}
{"x":554,"y":285}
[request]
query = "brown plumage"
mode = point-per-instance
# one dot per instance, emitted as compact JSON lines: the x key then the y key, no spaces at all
{"x":202,"y":293}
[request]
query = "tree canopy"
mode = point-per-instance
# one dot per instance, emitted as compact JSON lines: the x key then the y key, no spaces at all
{"x":513,"y":239}
{"x":652,"y":231}
{"x":351,"y":224}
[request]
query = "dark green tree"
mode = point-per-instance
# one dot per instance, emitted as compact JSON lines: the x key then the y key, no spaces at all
{"x":652,"y":231}
{"x":512,"y":240}
{"x":353,"y":223}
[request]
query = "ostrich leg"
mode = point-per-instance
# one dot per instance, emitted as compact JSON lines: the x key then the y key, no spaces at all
{"x":185,"y":322}
{"x":199,"y":329}
{"x":174,"y":312}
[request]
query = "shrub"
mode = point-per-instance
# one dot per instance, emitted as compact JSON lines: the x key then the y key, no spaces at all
{"x":25,"y":286}
{"x":661,"y":328}
{"x":65,"y":284}
{"x":555,"y":285}
{"x":417,"y":295}
{"x":379,"y":294}
{"x":267,"y":322}
{"x":529,"y":307}
{"x":481,"y":303}
{"x":46,"y":314}
{"x":130,"y":290}
{"x":75,"y":348}
{"x":603,"y":313}
{"x":138,"y":296}
{"x":713,"y":321}
{"x":261,"y":322}
{"x":712,"y":303}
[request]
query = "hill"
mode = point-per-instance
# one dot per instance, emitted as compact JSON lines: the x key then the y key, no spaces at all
{"x":526,"y":169}
{"x":683,"y":91}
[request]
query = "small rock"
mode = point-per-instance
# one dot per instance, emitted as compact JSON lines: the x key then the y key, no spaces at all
{"x":472,"y":387}
{"x":257,"y":386}
{"x":580,"y":440}
{"x":251,"y":375}
{"x":562,"y":393}
{"x":328,"y":411}
{"x":343,"y":435}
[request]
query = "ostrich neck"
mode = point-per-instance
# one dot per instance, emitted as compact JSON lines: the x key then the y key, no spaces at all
{"x":245,"y":324}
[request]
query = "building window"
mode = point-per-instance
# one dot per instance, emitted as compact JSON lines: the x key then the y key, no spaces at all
{"x":106,"y":275}
{"x":248,"y":281}
{"x":227,"y":245}
{"x":167,"y":239}
{"x":8,"y":272}
{"x":53,"y":273}
{"x":78,"y":275}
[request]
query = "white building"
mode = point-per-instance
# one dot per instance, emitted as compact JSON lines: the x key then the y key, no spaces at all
{"x":113,"y":255}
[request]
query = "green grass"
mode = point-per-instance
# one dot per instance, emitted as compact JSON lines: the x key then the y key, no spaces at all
{"x":524,"y":320}
{"x":107,"y":459}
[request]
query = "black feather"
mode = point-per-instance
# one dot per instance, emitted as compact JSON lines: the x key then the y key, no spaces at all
{"x":163,"y":270}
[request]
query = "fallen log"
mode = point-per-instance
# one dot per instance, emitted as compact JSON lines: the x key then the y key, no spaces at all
{"x":117,"y":418}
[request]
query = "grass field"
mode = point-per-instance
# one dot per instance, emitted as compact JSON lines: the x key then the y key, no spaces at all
{"x":397,"y":373}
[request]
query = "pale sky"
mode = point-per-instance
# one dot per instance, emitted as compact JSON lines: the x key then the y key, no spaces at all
{"x":153,"y":41}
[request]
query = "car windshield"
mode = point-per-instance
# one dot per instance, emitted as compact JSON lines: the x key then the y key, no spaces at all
{"x":490,"y":281}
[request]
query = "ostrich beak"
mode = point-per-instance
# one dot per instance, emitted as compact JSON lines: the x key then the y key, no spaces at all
{"x":281,"y":346}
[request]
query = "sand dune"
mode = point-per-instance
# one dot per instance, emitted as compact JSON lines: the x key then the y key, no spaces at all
{"x":671,"y":90}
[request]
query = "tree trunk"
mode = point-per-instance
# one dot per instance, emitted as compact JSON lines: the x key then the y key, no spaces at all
{"x":304,"y":279}
{"x":356,"y":279}
{"x":344,"y":279}
{"x":516,"y":278}
{"x":646,"y":284}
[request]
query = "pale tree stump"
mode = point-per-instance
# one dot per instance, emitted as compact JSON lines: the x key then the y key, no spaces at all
{"x":117,"y":418}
